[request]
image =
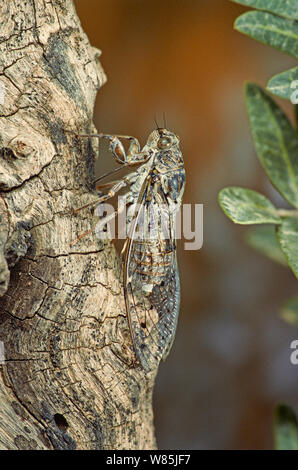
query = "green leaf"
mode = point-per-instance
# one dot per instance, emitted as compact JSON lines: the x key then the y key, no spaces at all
{"x":289,"y":311}
{"x":244,"y":206}
{"x":285,"y":428}
{"x":288,"y":9}
{"x":287,"y":235}
{"x":263,"y":239}
{"x":284,"y":86}
{"x":280,"y":33}
{"x":276,"y":142}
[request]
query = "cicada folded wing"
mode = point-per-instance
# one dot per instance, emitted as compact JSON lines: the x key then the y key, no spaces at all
{"x":151,"y":282}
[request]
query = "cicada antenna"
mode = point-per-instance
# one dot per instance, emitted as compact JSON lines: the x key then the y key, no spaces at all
{"x":164,"y":120}
{"x":157,"y":126}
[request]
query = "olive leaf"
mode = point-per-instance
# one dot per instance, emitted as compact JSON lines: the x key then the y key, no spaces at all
{"x":288,"y":9}
{"x":285,"y":428}
{"x":245,"y":206}
{"x":285,"y":85}
{"x":280,"y":33}
{"x":287,"y":234}
{"x":276,"y":142}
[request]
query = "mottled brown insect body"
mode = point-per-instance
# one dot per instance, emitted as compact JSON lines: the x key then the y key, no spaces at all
{"x":150,"y":277}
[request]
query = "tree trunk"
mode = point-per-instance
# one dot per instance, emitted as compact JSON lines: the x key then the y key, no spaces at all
{"x":68,"y":380}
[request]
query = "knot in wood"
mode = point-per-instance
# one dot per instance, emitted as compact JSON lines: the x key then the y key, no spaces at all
{"x":21,"y":148}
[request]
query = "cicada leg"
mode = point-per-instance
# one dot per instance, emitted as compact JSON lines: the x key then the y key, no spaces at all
{"x":133,"y":155}
{"x":116,"y":187}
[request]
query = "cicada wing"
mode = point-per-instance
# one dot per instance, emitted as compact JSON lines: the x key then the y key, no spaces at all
{"x":151,"y":282}
{"x":169,"y":302}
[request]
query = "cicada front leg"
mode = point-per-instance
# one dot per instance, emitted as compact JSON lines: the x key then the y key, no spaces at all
{"x":133,"y":154}
{"x":131,"y":157}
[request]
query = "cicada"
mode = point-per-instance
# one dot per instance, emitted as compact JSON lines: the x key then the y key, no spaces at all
{"x":150,"y":270}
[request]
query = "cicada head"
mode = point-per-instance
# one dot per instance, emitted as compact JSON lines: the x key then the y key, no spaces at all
{"x":162,"y":139}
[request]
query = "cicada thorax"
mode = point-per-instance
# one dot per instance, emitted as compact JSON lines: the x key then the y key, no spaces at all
{"x":169,"y":160}
{"x":170,"y":168}
{"x":173,"y":185}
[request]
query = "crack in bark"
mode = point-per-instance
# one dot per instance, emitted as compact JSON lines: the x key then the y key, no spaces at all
{"x":18,"y":33}
{"x":31,"y":177}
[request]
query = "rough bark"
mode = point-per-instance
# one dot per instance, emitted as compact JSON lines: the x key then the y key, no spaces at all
{"x":68,"y":380}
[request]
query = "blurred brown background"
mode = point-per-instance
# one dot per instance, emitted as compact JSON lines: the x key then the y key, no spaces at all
{"x":230,"y":363}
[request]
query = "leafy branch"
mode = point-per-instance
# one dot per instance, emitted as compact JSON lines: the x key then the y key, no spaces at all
{"x":275,"y":23}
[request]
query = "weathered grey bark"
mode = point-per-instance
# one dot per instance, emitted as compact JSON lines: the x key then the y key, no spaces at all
{"x":68,"y":380}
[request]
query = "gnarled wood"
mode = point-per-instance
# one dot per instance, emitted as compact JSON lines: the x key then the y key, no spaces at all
{"x":68,"y":380}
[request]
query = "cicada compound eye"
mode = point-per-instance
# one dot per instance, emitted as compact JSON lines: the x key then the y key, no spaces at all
{"x":164,"y":143}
